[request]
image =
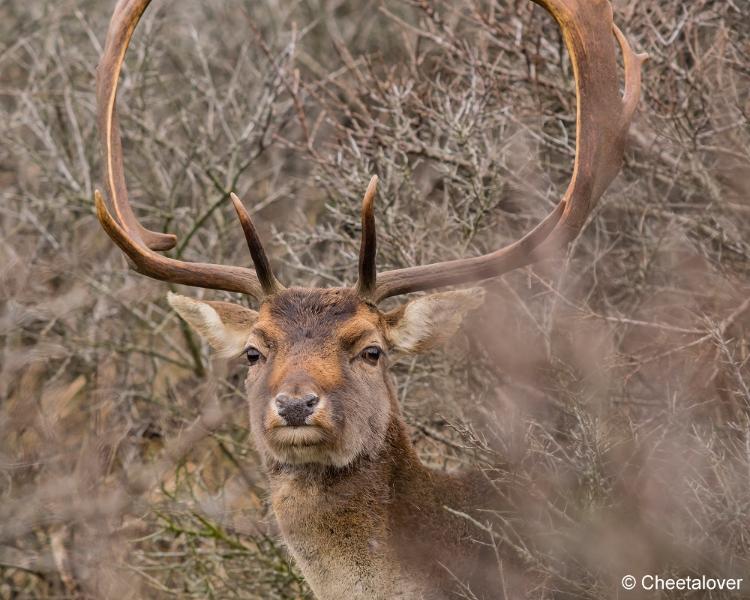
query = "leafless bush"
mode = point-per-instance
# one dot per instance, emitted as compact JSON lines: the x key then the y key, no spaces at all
{"x":606,"y":393}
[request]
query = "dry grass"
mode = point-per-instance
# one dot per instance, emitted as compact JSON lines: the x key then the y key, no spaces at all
{"x":608,"y":393}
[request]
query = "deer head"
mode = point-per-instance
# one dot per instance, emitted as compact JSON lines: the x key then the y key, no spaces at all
{"x":317,"y":378}
{"x":317,"y":381}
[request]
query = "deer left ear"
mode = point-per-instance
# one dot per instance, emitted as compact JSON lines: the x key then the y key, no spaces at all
{"x":224,"y":325}
{"x":427,"y":322}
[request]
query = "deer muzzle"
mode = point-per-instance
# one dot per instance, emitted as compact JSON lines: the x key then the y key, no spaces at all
{"x":296,"y":410}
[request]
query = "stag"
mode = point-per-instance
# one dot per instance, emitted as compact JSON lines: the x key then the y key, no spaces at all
{"x":361,"y":515}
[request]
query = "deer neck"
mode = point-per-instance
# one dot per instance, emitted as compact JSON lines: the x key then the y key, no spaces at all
{"x":337,"y":521}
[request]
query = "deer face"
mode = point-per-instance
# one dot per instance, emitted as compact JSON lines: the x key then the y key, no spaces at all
{"x":318,"y":386}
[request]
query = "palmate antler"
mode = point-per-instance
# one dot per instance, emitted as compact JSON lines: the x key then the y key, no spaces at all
{"x":136,"y":241}
{"x":602,"y":121}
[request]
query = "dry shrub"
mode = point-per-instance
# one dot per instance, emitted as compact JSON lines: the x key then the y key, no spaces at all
{"x":607,"y":393}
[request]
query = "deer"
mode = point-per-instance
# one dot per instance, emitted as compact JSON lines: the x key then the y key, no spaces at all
{"x":360,"y":514}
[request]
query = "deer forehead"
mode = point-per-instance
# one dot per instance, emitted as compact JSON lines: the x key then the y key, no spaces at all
{"x":324,"y":318}
{"x":309,"y":329}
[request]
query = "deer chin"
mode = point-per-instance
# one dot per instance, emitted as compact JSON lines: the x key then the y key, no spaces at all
{"x":309,"y":444}
{"x":297,"y":437}
{"x":300,"y":445}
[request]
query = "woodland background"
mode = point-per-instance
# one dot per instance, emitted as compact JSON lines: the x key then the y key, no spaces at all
{"x":610,"y":389}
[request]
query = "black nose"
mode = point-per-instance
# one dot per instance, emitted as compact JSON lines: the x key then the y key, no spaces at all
{"x":296,"y":410}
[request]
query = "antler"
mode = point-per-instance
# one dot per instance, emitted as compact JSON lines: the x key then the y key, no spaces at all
{"x":135,"y":240}
{"x":367,"y":249}
{"x":602,"y":121}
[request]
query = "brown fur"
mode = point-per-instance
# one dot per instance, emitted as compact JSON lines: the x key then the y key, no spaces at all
{"x":362,"y":517}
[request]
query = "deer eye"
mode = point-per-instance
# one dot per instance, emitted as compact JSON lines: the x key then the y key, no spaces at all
{"x":253,"y":355}
{"x":371,"y":354}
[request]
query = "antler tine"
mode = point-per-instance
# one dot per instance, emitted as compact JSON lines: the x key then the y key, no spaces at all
{"x":602,"y":121}
{"x":148,"y":262}
{"x":368,"y":246}
{"x":632,"y":62}
{"x":123,"y":228}
{"x":268,"y":282}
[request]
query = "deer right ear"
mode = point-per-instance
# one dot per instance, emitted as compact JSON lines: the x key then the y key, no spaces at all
{"x":427,"y":322}
{"x":225,"y":326}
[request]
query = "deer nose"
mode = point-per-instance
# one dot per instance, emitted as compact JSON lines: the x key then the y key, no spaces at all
{"x":296,"y":410}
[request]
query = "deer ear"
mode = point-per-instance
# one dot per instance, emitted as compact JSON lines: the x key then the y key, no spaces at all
{"x":427,"y":322}
{"x":223,"y":325}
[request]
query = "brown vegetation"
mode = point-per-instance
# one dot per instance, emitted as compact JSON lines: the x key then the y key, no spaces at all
{"x":610,"y":389}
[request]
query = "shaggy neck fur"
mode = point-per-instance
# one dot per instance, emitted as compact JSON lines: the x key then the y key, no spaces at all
{"x":377,"y":528}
